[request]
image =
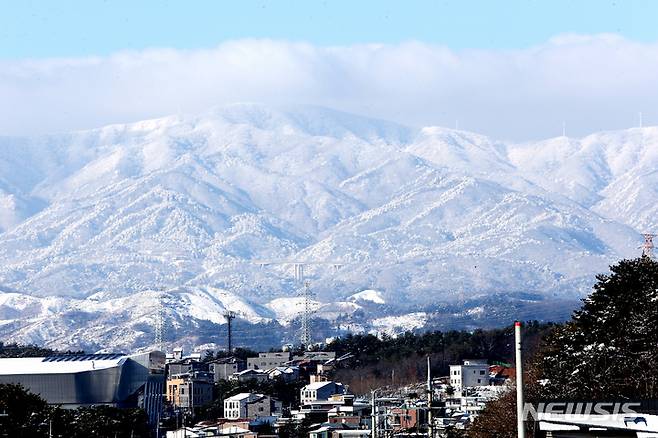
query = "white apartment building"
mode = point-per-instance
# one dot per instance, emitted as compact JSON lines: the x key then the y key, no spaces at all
{"x":473,"y":372}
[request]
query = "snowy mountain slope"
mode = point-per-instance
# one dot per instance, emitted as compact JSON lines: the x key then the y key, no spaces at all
{"x":128,"y":320}
{"x":90,"y":221}
{"x":367,"y":295}
{"x":613,"y":173}
{"x":458,"y":150}
{"x":438,"y":231}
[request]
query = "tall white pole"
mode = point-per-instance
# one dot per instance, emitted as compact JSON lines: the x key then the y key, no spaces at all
{"x":519,"y":381}
{"x":373,"y":417}
{"x":430,"y":400}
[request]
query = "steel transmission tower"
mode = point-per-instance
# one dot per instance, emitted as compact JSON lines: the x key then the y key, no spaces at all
{"x":305,"y":335}
{"x":305,"y":330}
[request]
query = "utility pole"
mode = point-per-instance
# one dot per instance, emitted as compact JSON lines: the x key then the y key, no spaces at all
{"x":519,"y":381}
{"x":430,"y":400}
{"x":373,"y":415}
{"x":157,"y":425}
{"x":230,"y":316}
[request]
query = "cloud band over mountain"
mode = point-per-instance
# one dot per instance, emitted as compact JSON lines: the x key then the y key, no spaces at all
{"x":590,"y":82}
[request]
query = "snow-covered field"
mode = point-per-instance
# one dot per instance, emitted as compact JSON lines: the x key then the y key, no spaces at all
{"x":98,"y":227}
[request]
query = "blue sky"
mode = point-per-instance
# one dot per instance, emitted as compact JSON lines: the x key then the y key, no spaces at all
{"x":514,"y":70}
{"x":66,"y":28}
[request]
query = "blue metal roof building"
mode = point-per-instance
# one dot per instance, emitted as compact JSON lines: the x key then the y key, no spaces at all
{"x":92,"y":379}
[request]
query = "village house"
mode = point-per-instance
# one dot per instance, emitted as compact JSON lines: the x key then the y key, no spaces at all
{"x":337,"y":430}
{"x":285,"y":373}
{"x":248,"y":405}
{"x":249,"y":374}
{"x":223,"y":369}
{"x":233,"y":429}
{"x":189,"y":391}
{"x":320,"y":391}
{"x":266,"y":361}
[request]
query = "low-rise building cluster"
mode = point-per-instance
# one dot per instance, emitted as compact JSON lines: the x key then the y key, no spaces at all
{"x":326,"y":407}
{"x":179,"y":386}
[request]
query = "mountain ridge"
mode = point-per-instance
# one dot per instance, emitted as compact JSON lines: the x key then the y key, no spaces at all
{"x":422,"y":217}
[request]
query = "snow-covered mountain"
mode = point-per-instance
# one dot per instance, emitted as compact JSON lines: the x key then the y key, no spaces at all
{"x":98,"y":227}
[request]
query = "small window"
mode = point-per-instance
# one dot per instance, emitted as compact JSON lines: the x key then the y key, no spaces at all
{"x":482,"y":372}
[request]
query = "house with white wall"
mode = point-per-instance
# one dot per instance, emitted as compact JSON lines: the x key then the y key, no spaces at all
{"x":473,"y":372}
{"x":320,"y":391}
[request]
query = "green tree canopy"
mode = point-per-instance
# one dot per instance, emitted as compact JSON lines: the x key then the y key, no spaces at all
{"x":24,"y":414}
{"x":610,"y":347}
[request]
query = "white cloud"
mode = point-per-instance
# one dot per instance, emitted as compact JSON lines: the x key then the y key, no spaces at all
{"x":591,"y":82}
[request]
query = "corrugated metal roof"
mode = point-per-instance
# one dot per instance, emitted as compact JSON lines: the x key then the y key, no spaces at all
{"x":59,"y":364}
{"x":80,"y":357}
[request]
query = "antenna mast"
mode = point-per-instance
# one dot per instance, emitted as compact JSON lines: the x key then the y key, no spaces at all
{"x":647,"y":247}
{"x":230,"y":316}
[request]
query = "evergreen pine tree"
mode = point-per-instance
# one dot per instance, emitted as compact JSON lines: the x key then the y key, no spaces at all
{"x":610,"y":347}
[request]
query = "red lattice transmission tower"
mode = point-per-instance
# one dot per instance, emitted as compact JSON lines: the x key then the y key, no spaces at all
{"x":647,"y":246}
